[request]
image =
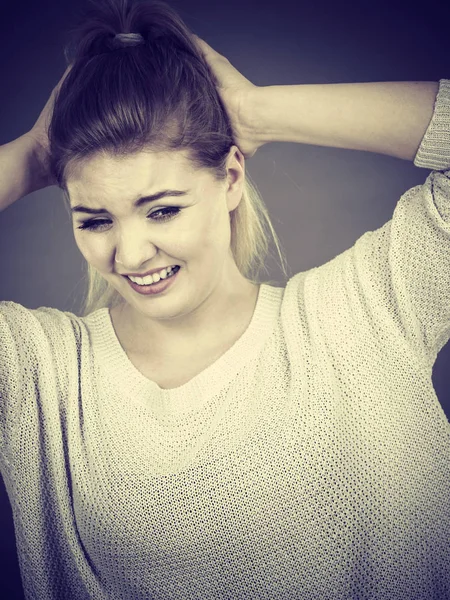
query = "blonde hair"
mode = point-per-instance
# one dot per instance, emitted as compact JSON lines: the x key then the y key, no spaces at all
{"x":158,"y":95}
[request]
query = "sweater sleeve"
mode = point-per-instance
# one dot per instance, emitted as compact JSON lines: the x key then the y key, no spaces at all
{"x":419,"y":240}
{"x":391,"y":289}
{"x":404,"y":267}
{"x":18,"y":359}
{"x":36,"y":352}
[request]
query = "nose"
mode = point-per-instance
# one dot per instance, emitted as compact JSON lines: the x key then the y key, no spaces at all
{"x":134,"y":252}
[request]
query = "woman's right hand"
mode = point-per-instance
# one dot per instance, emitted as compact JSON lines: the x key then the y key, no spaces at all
{"x":39,"y":133}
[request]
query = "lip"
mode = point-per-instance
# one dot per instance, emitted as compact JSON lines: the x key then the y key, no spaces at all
{"x":147,"y":273}
{"x":155,"y":288}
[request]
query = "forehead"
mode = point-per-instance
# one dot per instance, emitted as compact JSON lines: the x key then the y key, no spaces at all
{"x":107,"y":174}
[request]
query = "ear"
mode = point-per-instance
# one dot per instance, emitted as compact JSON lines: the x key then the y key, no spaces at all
{"x":235,"y":177}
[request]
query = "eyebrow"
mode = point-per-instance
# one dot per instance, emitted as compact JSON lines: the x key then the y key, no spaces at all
{"x":139,"y":202}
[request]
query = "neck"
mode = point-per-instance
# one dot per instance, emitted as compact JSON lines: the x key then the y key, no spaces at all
{"x":221,"y":317}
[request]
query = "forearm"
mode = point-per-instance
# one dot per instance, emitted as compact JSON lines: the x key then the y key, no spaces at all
{"x":20,"y":172}
{"x":388,"y":117}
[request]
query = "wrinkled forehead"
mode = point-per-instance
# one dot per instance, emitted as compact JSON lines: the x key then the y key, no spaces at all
{"x":108,"y":174}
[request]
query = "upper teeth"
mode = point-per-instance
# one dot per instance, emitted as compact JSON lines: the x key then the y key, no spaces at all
{"x":151,"y":278}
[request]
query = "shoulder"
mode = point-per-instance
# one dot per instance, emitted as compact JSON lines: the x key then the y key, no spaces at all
{"x":38,"y":326}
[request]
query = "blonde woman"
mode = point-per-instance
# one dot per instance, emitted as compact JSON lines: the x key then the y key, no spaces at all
{"x":199,"y":432}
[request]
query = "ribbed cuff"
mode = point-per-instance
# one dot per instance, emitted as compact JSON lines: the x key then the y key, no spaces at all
{"x":434,"y":149}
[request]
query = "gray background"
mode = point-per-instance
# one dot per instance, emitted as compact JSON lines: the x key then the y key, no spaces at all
{"x":321,"y":199}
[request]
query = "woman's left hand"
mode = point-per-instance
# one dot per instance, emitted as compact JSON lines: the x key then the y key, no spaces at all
{"x":238,"y":95}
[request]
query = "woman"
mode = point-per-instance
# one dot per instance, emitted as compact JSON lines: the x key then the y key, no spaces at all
{"x":211,"y":435}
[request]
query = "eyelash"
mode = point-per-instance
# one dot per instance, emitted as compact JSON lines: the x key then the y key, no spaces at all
{"x":96,"y":224}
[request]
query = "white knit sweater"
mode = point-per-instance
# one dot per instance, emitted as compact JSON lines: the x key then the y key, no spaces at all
{"x":310,"y":461}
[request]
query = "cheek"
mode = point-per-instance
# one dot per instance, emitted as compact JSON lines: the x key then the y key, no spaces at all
{"x":94,"y":252}
{"x":215,"y":230}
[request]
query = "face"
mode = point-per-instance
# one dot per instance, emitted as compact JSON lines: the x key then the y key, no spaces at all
{"x":191,"y":230}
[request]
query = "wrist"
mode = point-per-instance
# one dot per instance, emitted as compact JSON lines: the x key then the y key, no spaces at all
{"x":272,"y":118}
{"x":258,"y":109}
{"x":38,"y":162}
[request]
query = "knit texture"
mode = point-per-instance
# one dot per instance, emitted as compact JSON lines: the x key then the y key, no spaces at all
{"x":310,"y":461}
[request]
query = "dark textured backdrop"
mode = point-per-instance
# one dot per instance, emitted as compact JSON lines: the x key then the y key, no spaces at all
{"x":321,"y":199}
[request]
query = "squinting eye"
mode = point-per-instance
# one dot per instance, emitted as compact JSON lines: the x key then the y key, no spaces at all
{"x":97,"y":224}
{"x":174,"y":211}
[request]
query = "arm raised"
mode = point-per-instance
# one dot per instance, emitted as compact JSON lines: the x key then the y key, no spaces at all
{"x":20,"y":170}
{"x":387,"y":117}
{"x":24,"y":162}
{"x":384,"y":117}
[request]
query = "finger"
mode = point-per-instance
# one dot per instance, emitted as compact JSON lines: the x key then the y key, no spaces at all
{"x":199,"y":42}
{"x":66,"y":72}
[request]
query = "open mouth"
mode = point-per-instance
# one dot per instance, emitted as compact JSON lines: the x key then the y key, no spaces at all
{"x":170,"y":273}
{"x":157,"y":286}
